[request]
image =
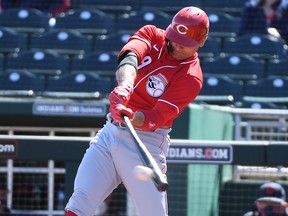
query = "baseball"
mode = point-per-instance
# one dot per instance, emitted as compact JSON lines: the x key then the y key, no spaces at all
{"x":142,"y":173}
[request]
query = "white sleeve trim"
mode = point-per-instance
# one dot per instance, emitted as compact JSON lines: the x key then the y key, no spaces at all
{"x":171,"y":104}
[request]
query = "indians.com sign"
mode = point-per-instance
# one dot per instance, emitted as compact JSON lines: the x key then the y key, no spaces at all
{"x":8,"y":148}
{"x":201,"y":154}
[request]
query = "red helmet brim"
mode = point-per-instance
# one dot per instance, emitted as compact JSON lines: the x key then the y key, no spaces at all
{"x":177,"y":38}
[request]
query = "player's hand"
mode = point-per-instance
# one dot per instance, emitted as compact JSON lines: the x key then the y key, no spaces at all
{"x":120,"y":95}
{"x":119,"y":110}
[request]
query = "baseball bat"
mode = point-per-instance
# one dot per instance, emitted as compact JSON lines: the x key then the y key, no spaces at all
{"x":148,"y":161}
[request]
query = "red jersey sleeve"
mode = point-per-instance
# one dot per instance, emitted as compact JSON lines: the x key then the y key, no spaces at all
{"x":180,"y":92}
{"x":140,"y":42}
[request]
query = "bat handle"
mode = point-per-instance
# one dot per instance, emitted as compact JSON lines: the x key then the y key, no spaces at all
{"x":163,"y":186}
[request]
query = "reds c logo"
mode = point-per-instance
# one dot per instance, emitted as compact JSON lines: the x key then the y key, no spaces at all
{"x":181,"y":29}
{"x":156,"y":85}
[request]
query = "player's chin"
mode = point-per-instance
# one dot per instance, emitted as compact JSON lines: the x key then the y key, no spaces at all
{"x":178,"y":56}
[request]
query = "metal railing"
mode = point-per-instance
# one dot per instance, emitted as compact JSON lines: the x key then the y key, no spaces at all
{"x":250,"y":125}
{"x":49,"y":171}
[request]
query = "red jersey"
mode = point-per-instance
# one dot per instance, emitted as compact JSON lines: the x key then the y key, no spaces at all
{"x":164,"y":85}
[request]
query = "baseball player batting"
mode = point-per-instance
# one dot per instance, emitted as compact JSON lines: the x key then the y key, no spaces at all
{"x":158,"y":75}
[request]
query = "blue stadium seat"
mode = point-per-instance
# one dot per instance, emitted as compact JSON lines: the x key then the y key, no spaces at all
{"x":86,"y":21}
{"x":220,"y":90}
{"x":101,"y":63}
{"x":211,"y":48}
{"x":171,"y":7}
{"x":235,"y":66}
{"x":2,"y":63}
{"x":26,"y":20}
{"x":12,"y":41}
{"x":113,"y":42}
{"x":222,"y":24}
{"x":111,"y":6}
{"x":130,"y":22}
{"x":39,"y":62}
{"x":257,"y":45}
{"x":78,"y":85}
{"x":269,"y":89}
{"x":227,"y":6}
{"x":69,"y":42}
{"x":259,"y":105}
{"x":20,"y":83}
{"x":277,"y":67}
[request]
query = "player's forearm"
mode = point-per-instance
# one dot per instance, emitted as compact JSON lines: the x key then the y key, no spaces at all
{"x":147,"y":119}
{"x":126,"y":74}
{"x":138,"y":119}
{"x":127,"y":69}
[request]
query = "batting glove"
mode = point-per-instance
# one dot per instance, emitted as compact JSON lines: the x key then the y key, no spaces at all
{"x":120,"y":95}
{"x":119,"y":110}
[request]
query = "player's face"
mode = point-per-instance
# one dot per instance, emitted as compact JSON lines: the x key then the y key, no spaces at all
{"x":180,"y":52}
{"x":267,"y":210}
{"x":270,"y":2}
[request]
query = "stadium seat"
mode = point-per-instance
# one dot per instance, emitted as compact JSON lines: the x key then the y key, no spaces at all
{"x":2,"y":63}
{"x":211,"y":48}
{"x":12,"y":41}
{"x":111,"y":6}
{"x":223,"y":24}
{"x":277,"y":67}
{"x":220,"y":90}
{"x":269,"y":89}
{"x":86,"y":21}
{"x":227,"y":6}
{"x":170,"y":7}
{"x":39,"y":62}
{"x":257,"y":45}
{"x":78,"y":85}
{"x":26,"y":20}
{"x":102,"y":63}
{"x":236,"y":66}
{"x":114,"y":42}
{"x":68,"y":42}
{"x":20,"y":83}
{"x":259,"y":105}
{"x":130,"y":22}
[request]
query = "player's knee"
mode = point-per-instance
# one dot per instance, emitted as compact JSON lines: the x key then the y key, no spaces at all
{"x":70,"y":213}
{"x":81,"y":204}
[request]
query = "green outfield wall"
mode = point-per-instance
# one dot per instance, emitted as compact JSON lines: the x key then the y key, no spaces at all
{"x":201,"y":123}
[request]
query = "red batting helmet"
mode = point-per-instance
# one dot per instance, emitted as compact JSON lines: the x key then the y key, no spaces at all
{"x":189,"y":26}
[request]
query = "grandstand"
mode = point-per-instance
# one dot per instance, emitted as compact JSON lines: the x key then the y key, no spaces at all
{"x":241,"y":112}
